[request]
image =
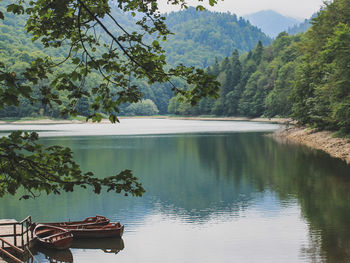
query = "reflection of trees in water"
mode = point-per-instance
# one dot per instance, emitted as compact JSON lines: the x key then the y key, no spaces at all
{"x":313,"y":252}
{"x":196,"y":176}
{"x":320,"y":184}
{"x":107,"y":245}
{"x":51,"y":255}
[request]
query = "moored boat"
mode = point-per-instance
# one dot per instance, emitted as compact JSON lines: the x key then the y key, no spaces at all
{"x":109,"y":230}
{"x":89,"y":221}
{"x":53,"y":237}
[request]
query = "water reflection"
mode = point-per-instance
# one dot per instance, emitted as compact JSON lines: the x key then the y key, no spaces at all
{"x":52,"y":256}
{"x":213,"y":197}
{"x":107,"y":245}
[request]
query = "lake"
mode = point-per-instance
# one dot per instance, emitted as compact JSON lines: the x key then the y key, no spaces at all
{"x":217,"y":191}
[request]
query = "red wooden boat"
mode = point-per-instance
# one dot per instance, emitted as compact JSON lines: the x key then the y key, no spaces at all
{"x":89,"y":221}
{"x":110,"y":230}
{"x":53,"y":237}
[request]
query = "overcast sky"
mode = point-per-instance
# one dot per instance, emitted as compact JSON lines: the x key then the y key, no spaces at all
{"x":295,"y":8}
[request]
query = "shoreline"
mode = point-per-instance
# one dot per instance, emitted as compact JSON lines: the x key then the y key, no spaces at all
{"x":200,"y":118}
{"x":320,"y":140}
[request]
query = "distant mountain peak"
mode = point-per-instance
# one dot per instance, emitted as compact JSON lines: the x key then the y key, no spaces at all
{"x":271,"y":22}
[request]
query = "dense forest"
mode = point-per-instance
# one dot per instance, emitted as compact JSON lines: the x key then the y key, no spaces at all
{"x":301,"y":27}
{"x":306,"y":76}
{"x":199,"y":37}
{"x":17,"y":51}
{"x":254,"y":84}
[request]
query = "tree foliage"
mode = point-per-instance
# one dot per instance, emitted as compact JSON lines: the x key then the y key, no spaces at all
{"x":25,"y":163}
{"x":75,"y":25}
{"x":117,"y":56}
{"x":257,"y":83}
{"x":322,"y":92}
{"x":198,"y":38}
{"x":304,"y":76}
{"x":201,"y":36}
{"x":142,"y":108}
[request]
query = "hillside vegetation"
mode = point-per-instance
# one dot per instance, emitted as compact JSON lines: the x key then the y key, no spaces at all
{"x":199,"y":38}
{"x":306,"y":76}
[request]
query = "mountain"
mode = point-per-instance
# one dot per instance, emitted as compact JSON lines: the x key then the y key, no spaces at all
{"x":302,"y":27}
{"x":202,"y":36}
{"x":271,"y":22}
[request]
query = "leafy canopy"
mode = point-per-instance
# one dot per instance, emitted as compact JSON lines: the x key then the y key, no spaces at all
{"x":76,"y":26}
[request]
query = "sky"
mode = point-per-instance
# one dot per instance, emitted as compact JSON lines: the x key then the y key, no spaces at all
{"x":294,"y":8}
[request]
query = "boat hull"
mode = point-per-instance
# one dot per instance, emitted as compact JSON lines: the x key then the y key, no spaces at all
{"x":53,"y":237}
{"x":59,"y":245}
{"x":110,"y":230}
{"x":89,"y":221}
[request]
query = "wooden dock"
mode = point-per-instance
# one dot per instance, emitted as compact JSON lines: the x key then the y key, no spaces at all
{"x":15,"y":239}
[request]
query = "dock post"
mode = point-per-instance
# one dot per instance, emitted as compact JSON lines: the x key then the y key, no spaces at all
{"x":14,"y":235}
{"x":22,"y":236}
{"x":28,"y":229}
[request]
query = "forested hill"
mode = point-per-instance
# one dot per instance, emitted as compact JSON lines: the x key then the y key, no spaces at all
{"x":302,"y":27}
{"x":199,"y":38}
{"x":306,"y":76}
{"x":202,"y":36}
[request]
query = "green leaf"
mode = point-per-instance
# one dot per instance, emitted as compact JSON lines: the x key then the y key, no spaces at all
{"x":212,"y":2}
{"x":155,"y":43}
{"x":76,"y":61}
{"x":200,"y":8}
{"x":16,"y":9}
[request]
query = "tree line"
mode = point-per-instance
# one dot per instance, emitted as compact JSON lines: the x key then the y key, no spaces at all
{"x":306,"y":76}
{"x":74,"y":29}
{"x":198,"y":38}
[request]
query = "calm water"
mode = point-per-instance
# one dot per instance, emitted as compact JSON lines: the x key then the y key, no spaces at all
{"x":216,"y":192}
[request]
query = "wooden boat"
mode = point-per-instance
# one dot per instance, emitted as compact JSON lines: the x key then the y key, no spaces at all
{"x":110,"y":230}
{"x":53,"y":237}
{"x":89,"y":221}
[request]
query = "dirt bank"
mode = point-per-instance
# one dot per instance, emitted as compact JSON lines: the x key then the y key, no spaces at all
{"x":322,"y":140}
